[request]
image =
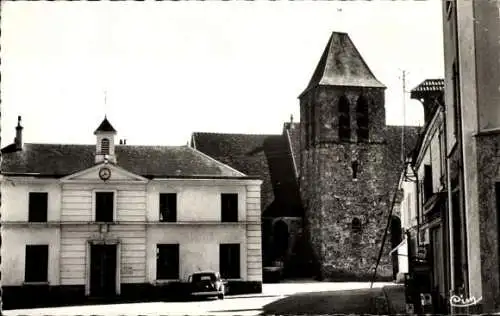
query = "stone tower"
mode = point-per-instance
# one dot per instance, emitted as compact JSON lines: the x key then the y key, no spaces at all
{"x":344,"y":179}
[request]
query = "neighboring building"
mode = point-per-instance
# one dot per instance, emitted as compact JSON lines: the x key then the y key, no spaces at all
{"x":409,"y":218}
{"x":425,"y":209}
{"x":274,"y":159}
{"x":350,"y":164}
{"x":472,"y":77}
{"x":108,"y":220}
{"x":336,"y":171}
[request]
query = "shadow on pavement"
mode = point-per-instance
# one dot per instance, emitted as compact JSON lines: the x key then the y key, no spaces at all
{"x":359,"y":301}
{"x":251,"y":296}
{"x":236,"y":310}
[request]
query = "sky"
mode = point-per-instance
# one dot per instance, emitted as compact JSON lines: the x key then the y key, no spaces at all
{"x":162,"y":70}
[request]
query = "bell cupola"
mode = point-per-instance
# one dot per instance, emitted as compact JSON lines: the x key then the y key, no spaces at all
{"x":105,"y":142}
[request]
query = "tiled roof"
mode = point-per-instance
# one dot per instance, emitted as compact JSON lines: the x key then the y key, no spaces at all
{"x":105,"y":127}
{"x":342,"y":65}
{"x":393,"y":136}
{"x":429,"y":85}
{"x":431,"y":93}
{"x":267,"y":156}
{"x":149,"y":161}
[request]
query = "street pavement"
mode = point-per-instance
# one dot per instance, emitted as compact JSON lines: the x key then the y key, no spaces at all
{"x":271,"y":298}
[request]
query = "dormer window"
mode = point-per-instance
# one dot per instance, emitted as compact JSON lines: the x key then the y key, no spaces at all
{"x":105,"y":146}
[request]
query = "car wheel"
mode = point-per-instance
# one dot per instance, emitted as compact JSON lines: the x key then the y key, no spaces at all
{"x":220,"y":296}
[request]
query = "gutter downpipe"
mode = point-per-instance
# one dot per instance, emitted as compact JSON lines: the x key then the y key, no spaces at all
{"x":418,"y":200}
{"x":451,"y":262}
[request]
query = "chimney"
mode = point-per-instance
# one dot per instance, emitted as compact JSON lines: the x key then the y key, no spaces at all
{"x":19,"y":134}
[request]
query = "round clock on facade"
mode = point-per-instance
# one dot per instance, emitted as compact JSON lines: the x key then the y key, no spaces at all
{"x":104,"y":173}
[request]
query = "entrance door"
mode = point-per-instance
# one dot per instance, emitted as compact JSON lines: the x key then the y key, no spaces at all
{"x":438,"y":260}
{"x":102,"y":270}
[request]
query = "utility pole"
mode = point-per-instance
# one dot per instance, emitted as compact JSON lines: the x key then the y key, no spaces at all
{"x":404,"y":117}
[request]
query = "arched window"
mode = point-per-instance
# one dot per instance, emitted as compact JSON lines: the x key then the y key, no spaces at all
{"x":362,"y":118}
{"x":356,"y":225}
{"x":344,"y":119}
{"x":105,"y":146}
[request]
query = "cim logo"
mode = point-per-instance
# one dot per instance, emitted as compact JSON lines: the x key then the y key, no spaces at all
{"x":461,"y":301}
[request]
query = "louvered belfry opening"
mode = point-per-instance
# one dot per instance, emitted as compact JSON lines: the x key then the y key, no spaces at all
{"x":362,"y":119}
{"x":344,"y":119}
{"x":105,"y":146}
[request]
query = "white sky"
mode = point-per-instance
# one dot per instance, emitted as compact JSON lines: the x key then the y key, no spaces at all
{"x":172,"y":68}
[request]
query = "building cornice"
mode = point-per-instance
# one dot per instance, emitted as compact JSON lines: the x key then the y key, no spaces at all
{"x":124,"y":223}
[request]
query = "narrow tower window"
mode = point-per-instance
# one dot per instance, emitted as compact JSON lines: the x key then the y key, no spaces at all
{"x":308,"y":125}
{"x":344,"y":119}
{"x":356,"y":225}
{"x":354,"y":167}
{"x":105,"y":146}
{"x":362,"y":119}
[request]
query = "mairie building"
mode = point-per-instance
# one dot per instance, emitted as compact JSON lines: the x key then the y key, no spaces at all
{"x":109,"y":220}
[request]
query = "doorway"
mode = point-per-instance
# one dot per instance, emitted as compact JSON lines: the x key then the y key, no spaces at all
{"x":281,"y":236}
{"x":396,"y":239}
{"x":103,"y":270}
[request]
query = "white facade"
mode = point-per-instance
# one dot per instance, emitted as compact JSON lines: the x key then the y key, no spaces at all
{"x":71,"y":225}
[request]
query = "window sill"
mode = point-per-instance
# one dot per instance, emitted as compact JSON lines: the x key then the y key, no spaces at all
{"x":36,"y":283}
{"x":143,"y":222}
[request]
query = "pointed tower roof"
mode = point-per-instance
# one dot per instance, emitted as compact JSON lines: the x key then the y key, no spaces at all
{"x":105,"y":127}
{"x":342,"y":65}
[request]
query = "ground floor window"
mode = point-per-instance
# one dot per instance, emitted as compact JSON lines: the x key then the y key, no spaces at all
{"x":36,"y":263}
{"x":229,"y":261}
{"x":167,"y":261}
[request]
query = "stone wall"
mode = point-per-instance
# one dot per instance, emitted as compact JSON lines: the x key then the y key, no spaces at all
{"x":488,"y":174}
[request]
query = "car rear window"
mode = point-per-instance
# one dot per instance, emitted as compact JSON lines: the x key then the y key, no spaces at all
{"x":203,"y":277}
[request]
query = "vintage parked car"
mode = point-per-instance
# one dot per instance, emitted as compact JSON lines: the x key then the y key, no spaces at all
{"x":207,"y":283}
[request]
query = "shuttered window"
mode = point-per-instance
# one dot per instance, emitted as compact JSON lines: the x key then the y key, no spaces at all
{"x":229,"y":207}
{"x":104,"y":206}
{"x":37,"y":207}
{"x":167,"y":261}
{"x":168,"y":207}
{"x":36,"y":263}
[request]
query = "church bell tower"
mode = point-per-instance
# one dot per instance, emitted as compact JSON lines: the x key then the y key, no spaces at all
{"x":343,"y":155}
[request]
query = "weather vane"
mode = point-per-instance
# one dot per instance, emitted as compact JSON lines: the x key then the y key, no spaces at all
{"x":105,"y":101}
